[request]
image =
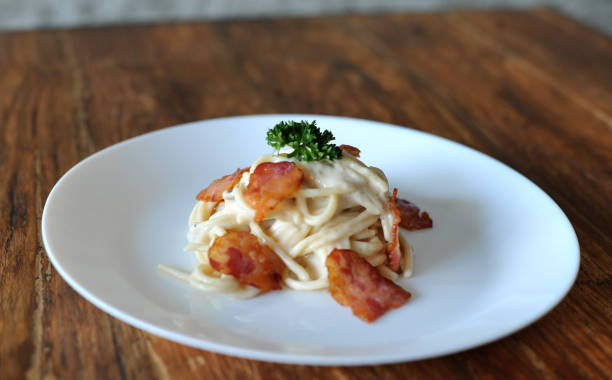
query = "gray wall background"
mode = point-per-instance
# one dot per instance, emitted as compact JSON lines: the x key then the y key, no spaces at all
{"x":31,"y":14}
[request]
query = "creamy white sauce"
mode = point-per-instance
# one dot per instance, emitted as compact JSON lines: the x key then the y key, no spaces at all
{"x":343,"y":204}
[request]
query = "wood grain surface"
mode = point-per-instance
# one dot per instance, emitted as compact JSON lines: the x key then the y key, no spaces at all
{"x":530,"y":88}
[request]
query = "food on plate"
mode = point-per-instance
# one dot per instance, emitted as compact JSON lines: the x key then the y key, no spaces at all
{"x":411,"y":217}
{"x":355,"y":283}
{"x":241,"y":255}
{"x":214,"y":192}
{"x":309,"y":216}
{"x":270,"y":184}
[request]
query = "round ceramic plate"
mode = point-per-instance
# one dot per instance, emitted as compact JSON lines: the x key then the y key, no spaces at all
{"x":501,"y":253}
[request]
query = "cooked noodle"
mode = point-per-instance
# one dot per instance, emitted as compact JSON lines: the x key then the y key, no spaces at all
{"x":341,"y":204}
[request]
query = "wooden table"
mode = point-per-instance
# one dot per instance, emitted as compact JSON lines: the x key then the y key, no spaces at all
{"x":532,"y":89}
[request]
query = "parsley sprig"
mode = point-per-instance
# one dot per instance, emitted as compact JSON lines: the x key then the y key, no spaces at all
{"x":306,"y":139}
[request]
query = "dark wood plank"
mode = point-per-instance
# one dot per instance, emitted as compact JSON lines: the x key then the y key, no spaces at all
{"x":532,"y":89}
{"x":569,"y":56}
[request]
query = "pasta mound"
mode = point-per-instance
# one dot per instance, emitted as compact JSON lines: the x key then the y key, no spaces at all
{"x":342,"y":204}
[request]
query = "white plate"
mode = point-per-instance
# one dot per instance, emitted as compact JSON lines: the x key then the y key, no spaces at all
{"x":501,"y":253}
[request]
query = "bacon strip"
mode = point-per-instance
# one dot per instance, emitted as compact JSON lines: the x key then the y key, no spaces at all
{"x":270,"y":184}
{"x":394,"y":253}
{"x":214,"y":191}
{"x":351,"y":149}
{"x":354,"y":282}
{"x":410,"y":217}
{"x":241,"y":255}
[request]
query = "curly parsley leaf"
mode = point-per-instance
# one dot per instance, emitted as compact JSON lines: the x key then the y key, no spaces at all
{"x":306,"y":139}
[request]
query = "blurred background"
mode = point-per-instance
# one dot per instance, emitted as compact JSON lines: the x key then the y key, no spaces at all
{"x":35,"y":14}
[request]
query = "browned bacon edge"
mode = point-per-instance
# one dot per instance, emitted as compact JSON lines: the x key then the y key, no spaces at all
{"x":214,"y":191}
{"x":394,"y":253}
{"x":411,"y":217}
{"x":270,"y":184}
{"x":355,"y":283}
{"x":242,"y":256}
{"x":351,"y":149}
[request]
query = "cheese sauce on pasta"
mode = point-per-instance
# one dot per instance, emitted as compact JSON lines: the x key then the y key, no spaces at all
{"x":342,"y":204}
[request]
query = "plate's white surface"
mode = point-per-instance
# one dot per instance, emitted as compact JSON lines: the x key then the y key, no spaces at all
{"x":501,"y":253}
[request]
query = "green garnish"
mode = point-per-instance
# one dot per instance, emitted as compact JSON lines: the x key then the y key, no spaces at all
{"x":306,"y":139}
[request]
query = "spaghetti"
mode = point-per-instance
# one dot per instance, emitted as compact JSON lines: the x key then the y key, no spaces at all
{"x":342,"y":205}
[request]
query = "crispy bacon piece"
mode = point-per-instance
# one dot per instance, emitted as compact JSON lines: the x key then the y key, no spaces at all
{"x":351,"y":149}
{"x":354,"y":282}
{"x":411,"y":219}
{"x":270,"y":184}
{"x":394,"y":253}
{"x":241,"y":255}
{"x":214,"y":191}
